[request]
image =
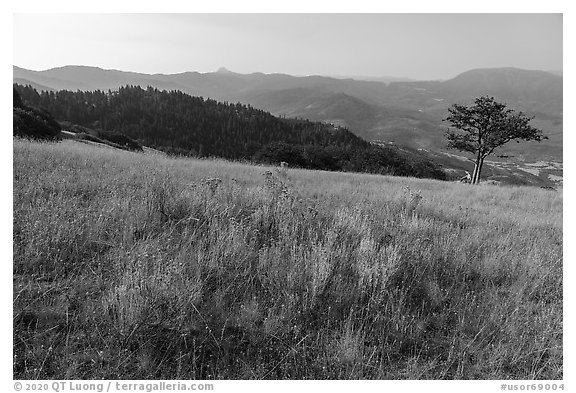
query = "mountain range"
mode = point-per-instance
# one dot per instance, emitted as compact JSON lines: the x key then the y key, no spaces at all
{"x":407,"y":113}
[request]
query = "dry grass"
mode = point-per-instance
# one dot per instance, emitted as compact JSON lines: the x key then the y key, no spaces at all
{"x":141,"y":266}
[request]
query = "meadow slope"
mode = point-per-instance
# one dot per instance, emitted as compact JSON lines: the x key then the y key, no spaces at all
{"x":129,"y":265}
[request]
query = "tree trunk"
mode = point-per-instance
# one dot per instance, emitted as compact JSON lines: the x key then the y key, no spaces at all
{"x":473,"y":178}
{"x":480,"y":169}
{"x":477,"y":168}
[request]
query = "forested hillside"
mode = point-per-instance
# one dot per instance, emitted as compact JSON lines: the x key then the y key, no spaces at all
{"x":31,"y":122}
{"x":404,"y":113}
{"x":176,"y":122}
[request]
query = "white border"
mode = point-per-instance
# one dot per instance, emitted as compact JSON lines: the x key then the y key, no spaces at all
{"x":358,"y":6}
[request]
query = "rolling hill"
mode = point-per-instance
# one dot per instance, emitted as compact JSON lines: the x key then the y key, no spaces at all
{"x":140,"y":266}
{"x":181,"y":124}
{"x":404,"y":113}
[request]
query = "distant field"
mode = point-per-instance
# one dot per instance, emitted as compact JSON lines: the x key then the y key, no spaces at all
{"x":140,"y":266}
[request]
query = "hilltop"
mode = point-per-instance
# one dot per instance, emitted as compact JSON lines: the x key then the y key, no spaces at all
{"x":137,"y":266}
{"x":181,"y":124}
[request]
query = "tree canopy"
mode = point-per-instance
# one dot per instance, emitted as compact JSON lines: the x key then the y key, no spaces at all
{"x":485,"y":126}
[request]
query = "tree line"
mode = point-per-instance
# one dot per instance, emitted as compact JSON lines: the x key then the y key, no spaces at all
{"x":178,"y":123}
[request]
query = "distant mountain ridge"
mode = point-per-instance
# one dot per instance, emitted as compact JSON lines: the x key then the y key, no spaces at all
{"x":404,"y":112}
{"x":383,"y":79}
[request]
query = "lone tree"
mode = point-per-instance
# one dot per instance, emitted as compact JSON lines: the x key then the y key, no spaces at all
{"x":484,"y":126}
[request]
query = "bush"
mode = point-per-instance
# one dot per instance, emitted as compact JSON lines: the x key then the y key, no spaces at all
{"x":34,"y":123}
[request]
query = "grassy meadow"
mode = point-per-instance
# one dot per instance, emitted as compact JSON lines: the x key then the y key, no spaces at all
{"x":136,"y":266}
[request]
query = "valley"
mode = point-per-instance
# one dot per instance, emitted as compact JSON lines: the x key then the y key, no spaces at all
{"x":404,"y":113}
{"x":407,"y":114}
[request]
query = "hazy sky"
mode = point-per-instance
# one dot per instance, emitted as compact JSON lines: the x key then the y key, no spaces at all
{"x":419,"y":46}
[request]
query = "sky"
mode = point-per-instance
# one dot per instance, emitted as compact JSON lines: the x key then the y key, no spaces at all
{"x":417,"y":46}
